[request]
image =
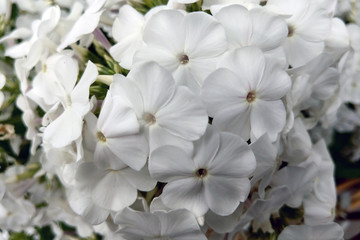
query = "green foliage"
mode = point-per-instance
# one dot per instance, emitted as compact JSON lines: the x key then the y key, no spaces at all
{"x":143,"y":6}
{"x":20,"y":236}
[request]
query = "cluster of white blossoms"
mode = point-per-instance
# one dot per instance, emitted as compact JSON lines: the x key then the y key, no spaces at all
{"x":188,"y":120}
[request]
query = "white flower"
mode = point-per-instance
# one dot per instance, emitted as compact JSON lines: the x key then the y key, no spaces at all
{"x":214,"y":177}
{"x":256,"y":27}
{"x":117,"y":136}
{"x":308,"y":27}
{"x":244,"y":94}
{"x":186,"y":45}
{"x":37,"y":42}
{"x":168,"y":114}
{"x":178,"y":224}
{"x":86,"y":24}
{"x":127,"y":30}
{"x":67,"y":126}
{"x":330,"y":231}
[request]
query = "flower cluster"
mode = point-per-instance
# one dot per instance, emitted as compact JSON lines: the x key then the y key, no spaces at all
{"x":177,"y":119}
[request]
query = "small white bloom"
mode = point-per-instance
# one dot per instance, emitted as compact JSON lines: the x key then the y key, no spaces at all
{"x":168,"y":114}
{"x":256,"y":27}
{"x":187,"y":45}
{"x":244,"y":94}
{"x":214,"y":177}
{"x":308,"y":27}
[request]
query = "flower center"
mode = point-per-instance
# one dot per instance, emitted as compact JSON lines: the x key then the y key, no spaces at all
{"x":184,"y":59}
{"x":149,"y":118}
{"x":100,"y":136}
{"x":251,"y":96}
{"x":290,"y":30}
{"x":202,"y":172}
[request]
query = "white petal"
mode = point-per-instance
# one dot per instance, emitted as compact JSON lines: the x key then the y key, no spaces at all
{"x":184,"y":115}
{"x":133,"y":150}
{"x":106,"y":159}
{"x":223,"y":89}
{"x":186,"y":193}
{"x":235,"y":119}
{"x":80,"y":94}
{"x":247,"y":63}
{"x":237,"y":23}
{"x":275,"y":83}
{"x":164,"y":58}
{"x":155,"y":84}
{"x":267,"y":117}
{"x":138,"y":225}
{"x":180,"y":224}
{"x":82,"y":204}
{"x":204,"y":36}
{"x":206,"y":148}
{"x":233,"y":159}
{"x":300,"y":51}
{"x":65,"y":129}
{"x":139,"y":179}
{"x":84,"y":25}
{"x":169,"y":23}
{"x":116,"y":119}
{"x":159,"y":136}
{"x":169,"y":163}
{"x":128,"y":93}
{"x":223,"y":195}
{"x":114,"y":192}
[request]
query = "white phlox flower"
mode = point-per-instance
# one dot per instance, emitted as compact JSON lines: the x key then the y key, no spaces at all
{"x":244,"y":94}
{"x":168,"y":114}
{"x":127,"y":30}
{"x":308,"y":27}
{"x":85,"y":24}
{"x":74,"y":99}
{"x":36,"y":40}
{"x":117,"y":136}
{"x":219,"y":166}
{"x":256,"y":27}
{"x":190,"y":49}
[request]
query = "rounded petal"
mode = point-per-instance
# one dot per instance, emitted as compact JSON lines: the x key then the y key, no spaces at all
{"x":247,"y":63}
{"x":223,"y":89}
{"x":133,"y":150}
{"x":184,"y":116}
{"x":234,"y":158}
{"x":204,"y":36}
{"x":156,"y":85}
{"x":169,"y":23}
{"x":275,"y":83}
{"x":114,"y":192}
{"x":82,"y":204}
{"x":186,"y":193}
{"x":267,"y":117}
{"x":223,"y":195}
{"x":170,"y":163}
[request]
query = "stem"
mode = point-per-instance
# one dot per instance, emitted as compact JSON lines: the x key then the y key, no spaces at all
{"x":106,"y":79}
